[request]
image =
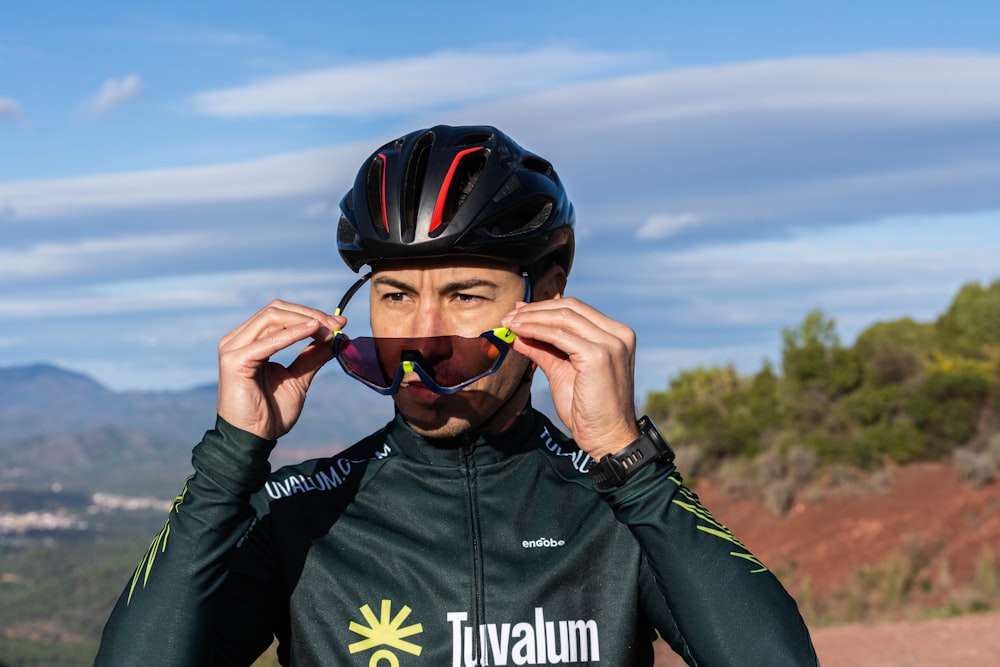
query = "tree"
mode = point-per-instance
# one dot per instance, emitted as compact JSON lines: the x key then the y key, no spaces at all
{"x":971,"y":325}
{"x":804,"y":352}
{"x":812,"y":357}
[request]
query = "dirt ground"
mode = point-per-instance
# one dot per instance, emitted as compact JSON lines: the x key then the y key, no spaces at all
{"x":940,"y":535}
{"x":922,"y":511}
{"x":970,"y":640}
{"x":964,"y":640}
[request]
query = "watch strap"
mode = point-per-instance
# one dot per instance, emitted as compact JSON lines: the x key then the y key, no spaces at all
{"x":615,"y":469}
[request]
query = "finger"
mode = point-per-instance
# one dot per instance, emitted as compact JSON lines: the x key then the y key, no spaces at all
{"x":543,"y":355}
{"x":575,"y":330}
{"x":246,"y":358}
{"x":310,"y":360}
{"x":587,"y":316}
{"x":278,"y":314}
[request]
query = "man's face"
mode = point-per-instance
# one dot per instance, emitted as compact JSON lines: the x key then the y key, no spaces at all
{"x":425,"y":298}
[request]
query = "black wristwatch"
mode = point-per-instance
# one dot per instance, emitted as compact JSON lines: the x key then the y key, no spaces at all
{"x":615,"y":469}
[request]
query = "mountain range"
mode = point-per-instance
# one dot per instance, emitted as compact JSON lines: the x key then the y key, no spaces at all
{"x":60,"y":427}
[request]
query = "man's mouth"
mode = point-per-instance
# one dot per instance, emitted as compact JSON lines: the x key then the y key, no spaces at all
{"x":419,"y":391}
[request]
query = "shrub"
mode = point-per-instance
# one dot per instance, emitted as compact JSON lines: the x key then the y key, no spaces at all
{"x":802,"y":464}
{"x":972,"y":322}
{"x":872,"y":403}
{"x":845,"y":371}
{"x":769,"y":468}
{"x":887,"y":365}
{"x":957,"y":383}
{"x":993,"y":447}
{"x":689,"y":459}
{"x":825,"y":447}
{"x":897,"y":441}
{"x":957,"y":421}
{"x":903,"y":334}
{"x":975,"y":468}
{"x":779,"y":496}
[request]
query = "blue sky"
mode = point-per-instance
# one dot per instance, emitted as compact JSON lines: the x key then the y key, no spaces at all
{"x":166,"y":171}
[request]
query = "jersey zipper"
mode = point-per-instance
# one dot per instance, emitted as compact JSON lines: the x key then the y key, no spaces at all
{"x":478,"y":600}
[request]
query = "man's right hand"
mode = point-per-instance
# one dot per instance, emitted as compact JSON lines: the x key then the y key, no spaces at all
{"x":262,"y":396}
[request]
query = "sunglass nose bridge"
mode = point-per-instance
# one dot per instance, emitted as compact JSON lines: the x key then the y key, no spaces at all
{"x":412,"y":356}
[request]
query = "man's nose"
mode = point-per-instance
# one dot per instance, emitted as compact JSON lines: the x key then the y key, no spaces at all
{"x":428,"y":322}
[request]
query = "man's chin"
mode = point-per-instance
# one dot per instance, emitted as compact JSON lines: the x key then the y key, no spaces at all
{"x":445,"y":432}
{"x":432,"y":420}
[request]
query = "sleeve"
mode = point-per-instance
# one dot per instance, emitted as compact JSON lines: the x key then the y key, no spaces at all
{"x":170,"y":610}
{"x":723,"y":606}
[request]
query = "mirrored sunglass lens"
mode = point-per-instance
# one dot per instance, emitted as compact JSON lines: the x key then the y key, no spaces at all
{"x":447,"y":360}
{"x":359,"y":357}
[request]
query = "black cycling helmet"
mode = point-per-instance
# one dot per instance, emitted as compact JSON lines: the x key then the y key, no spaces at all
{"x":456,"y":190}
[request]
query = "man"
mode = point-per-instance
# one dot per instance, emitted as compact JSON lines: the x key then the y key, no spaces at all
{"x":469,"y":530}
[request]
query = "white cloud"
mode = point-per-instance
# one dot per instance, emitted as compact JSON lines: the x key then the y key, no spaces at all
{"x":405,"y":85}
{"x":244,"y":290}
{"x":174,"y":33}
{"x":320,"y":209}
{"x":49,"y":260}
{"x":303,"y":173}
{"x":666,"y":225}
{"x":113,"y":94}
{"x":898,"y":86}
{"x":10,"y":110}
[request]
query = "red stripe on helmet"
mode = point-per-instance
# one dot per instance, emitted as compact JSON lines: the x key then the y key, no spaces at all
{"x":385,"y":217}
{"x":443,"y":194}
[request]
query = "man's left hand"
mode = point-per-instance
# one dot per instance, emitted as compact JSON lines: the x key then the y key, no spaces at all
{"x":589,"y":360}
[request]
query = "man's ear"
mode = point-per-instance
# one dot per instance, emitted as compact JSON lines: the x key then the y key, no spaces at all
{"x":551,"y":284}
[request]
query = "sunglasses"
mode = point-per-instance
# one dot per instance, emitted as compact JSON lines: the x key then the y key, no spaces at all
{"x":444,"y":364}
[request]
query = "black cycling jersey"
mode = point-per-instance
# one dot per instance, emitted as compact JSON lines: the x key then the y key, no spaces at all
{"x":403,"y":551}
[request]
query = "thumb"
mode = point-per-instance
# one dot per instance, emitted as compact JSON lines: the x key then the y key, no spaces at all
{"x":544,"y":356}
{"x":308,"y":362}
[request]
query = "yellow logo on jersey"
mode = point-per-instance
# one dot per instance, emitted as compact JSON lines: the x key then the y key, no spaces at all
{"x":386,"y":630}
{"x":690,"y":503}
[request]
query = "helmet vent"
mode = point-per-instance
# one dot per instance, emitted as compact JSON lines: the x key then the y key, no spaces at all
{"x":413,"y":184}
{"x":346,"y":236}
{"x":466,"y":173}
{"x":474,"y":138}
{"x":375,"y":195}
{"x":537,"y":164}
{"x":522,"y":218}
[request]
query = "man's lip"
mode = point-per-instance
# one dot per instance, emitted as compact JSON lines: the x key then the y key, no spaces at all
{"x":420,"y":391}
{"x":418,"y":388}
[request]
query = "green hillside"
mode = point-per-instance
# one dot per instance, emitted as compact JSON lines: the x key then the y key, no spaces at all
{"x":903,"y":392}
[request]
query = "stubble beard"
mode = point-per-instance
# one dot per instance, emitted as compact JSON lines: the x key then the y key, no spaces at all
{"x":461,"y":414}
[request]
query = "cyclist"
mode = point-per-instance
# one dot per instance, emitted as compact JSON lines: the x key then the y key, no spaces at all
{"x":468,"y":530}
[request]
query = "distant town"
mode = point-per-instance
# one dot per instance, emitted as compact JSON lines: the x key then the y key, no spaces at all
{"x":63,"y":519}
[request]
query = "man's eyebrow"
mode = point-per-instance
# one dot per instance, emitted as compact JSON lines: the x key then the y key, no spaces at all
{"x":460,"y":285}
{"x":454,"y":286}
{"x":384,"y":281}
